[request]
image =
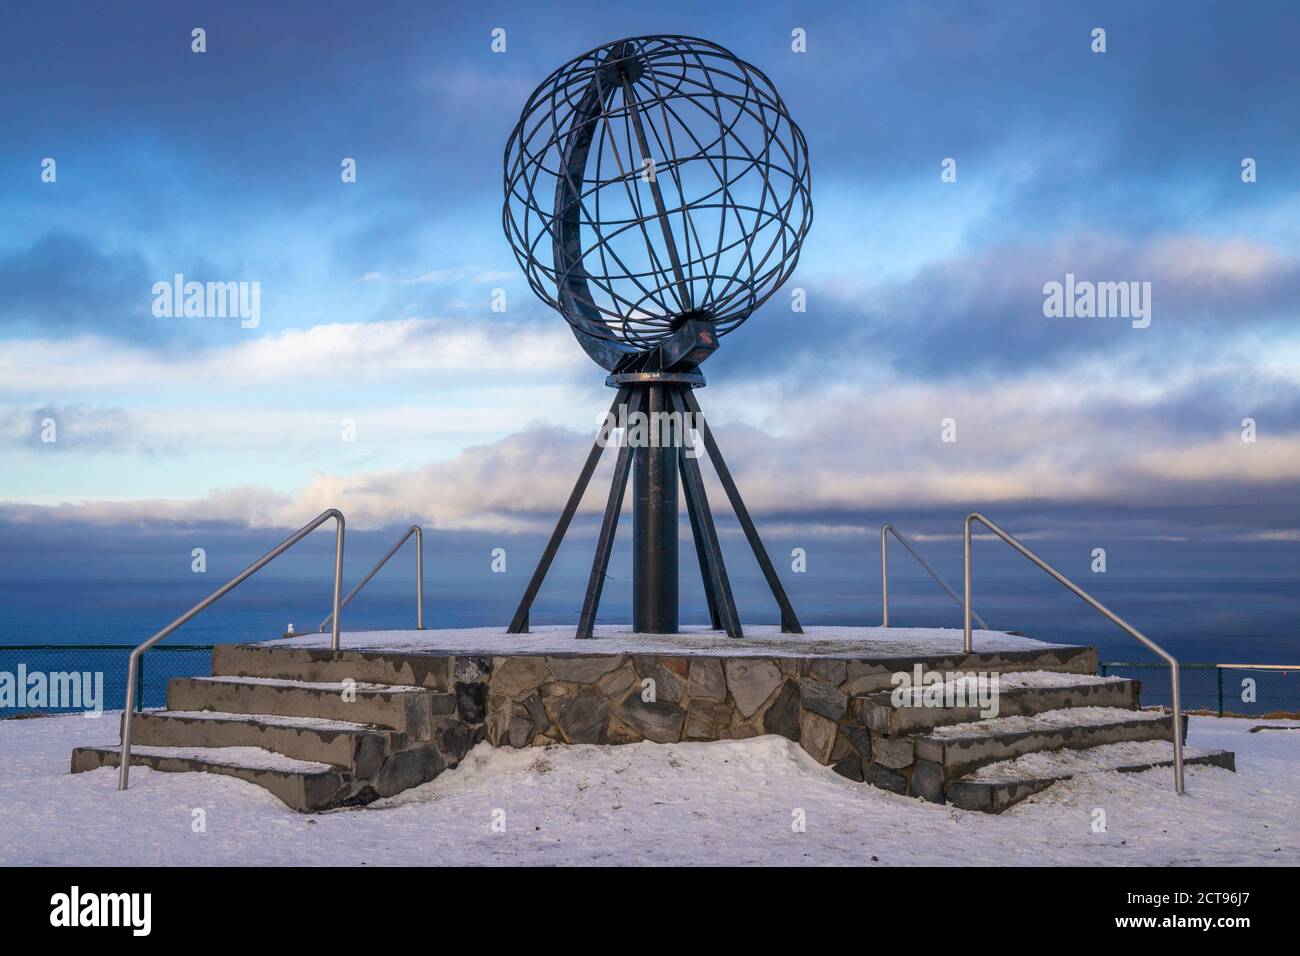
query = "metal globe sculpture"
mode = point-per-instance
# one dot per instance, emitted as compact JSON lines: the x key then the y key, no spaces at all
{"x":657,"y":192}
{"x":654,"y":180}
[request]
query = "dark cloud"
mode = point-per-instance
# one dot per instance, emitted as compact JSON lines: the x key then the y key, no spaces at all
{"x":981,"y":314}
{"x":65,"y":283}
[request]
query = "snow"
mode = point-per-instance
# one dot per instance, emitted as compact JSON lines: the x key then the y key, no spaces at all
{"x":251,"y":758}
{"x":1046,"y":721}
{"x":682,"y":804}
{"x":968,"y":685}
{"x":1014,"y":680}
{"x":761,"y":640}
{"x":296,"y":723}
{"x":331,"y":686}
{"x":1058,"y":763}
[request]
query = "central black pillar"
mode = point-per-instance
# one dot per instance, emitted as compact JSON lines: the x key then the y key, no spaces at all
{"x":654,"y":520}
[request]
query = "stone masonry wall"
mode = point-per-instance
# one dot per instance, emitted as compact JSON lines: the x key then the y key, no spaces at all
{"x":615,"y":699}
{"x":523,"y":701}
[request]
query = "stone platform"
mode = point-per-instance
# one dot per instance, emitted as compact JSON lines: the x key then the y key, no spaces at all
{"x":761,"y":640}
{"x":279,"y":713}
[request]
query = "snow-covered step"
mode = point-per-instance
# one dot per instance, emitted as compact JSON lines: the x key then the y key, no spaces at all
{"x":996,"y":786}
{"x":1020,"y":693}
{"x":304,"y":785}
{"x":322,"y":664}
{"x":353,"y":746}
{"x":408,"y":709}
{"x":956,"y":749}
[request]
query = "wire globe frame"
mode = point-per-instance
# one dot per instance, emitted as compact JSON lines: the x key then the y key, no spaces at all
{"x":652,"y":179}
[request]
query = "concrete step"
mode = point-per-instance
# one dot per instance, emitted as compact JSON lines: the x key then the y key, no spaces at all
{"x":324,"y":665}
{"x":304,"y":786}
{"x":408,"y":709}
{"x":1020,"y":693}
{"x":957,"y":749}
{"x":997,"y":786}
{"x":358,"y":748}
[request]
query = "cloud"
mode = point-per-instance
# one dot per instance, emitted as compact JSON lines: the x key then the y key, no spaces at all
{"x":346,"y":351}
{"x":848,"y":458}
{"x":63,"y":282}
{"x":77,"y":426}
{"x":461,"y":274}
{"x":982,"y":311}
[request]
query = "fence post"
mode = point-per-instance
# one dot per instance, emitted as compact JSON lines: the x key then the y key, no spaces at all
{"x":139,"y":685}
{"x":1219,"y":672}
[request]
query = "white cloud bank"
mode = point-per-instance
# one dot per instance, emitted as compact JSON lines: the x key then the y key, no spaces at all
{"x":856,"y":450}
{"x":351,"y":352}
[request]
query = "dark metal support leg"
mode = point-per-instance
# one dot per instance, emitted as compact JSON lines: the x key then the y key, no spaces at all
{"x":698,"y":535}
{"x":654,"y":521}
{"x":712,"y":551}
{"x":789,"y":621}
{"x":608,"y":525}
{"x":519,"y":623}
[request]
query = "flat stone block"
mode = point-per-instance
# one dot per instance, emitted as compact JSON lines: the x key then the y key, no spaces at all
{"x":513,"y":676}
{"x":886,"y":779}
{"x":668,"y":674}
{"x":817,"y":736}
{"x":823,"y":699}
{"x":927,"y":781}
{"x":707,"y":719}
{"x":582,"y":716}
{"x":584,"y":670}
{"x":782,"y":718}
{"x":829,"y":671}
{"x":660,"y":721}
{"x":618,"y":683}
{"x":896,"y":752}
{"x":850,"y":767}
{"x":859,"y":737}
{"x":751,"y":681}
{"x":706,"y":680}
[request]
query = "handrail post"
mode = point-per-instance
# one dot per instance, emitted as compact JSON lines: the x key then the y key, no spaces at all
{"x":965,"y":566}
{"x":884,"y":578}
{"x":1176,"y":678}
{"x":925,"y":566}
{"x":338,"y":583}
{"x":124,"y":769}
{"x":419,"y":582}
{"x":419,"y":577}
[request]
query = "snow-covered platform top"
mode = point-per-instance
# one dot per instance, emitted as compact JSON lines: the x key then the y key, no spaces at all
{"x":865,"y":643}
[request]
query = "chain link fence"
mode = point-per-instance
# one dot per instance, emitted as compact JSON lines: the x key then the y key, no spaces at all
{"x":1248,"y":690}
{"x":69,"y":678}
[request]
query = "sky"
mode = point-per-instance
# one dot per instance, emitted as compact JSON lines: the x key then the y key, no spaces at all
{"x":925,"y":294}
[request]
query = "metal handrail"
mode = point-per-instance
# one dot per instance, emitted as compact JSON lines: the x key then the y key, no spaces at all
{"x":416,"y":530}
{"x":230,"y":585}
{"x":1091,"y":602}
{"x":884,"y":574}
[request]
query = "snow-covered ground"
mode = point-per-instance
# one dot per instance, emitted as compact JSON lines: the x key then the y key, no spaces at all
{"x":681,"y":804}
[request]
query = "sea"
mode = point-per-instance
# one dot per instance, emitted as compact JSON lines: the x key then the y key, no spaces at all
{"x":1212,"y":604}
